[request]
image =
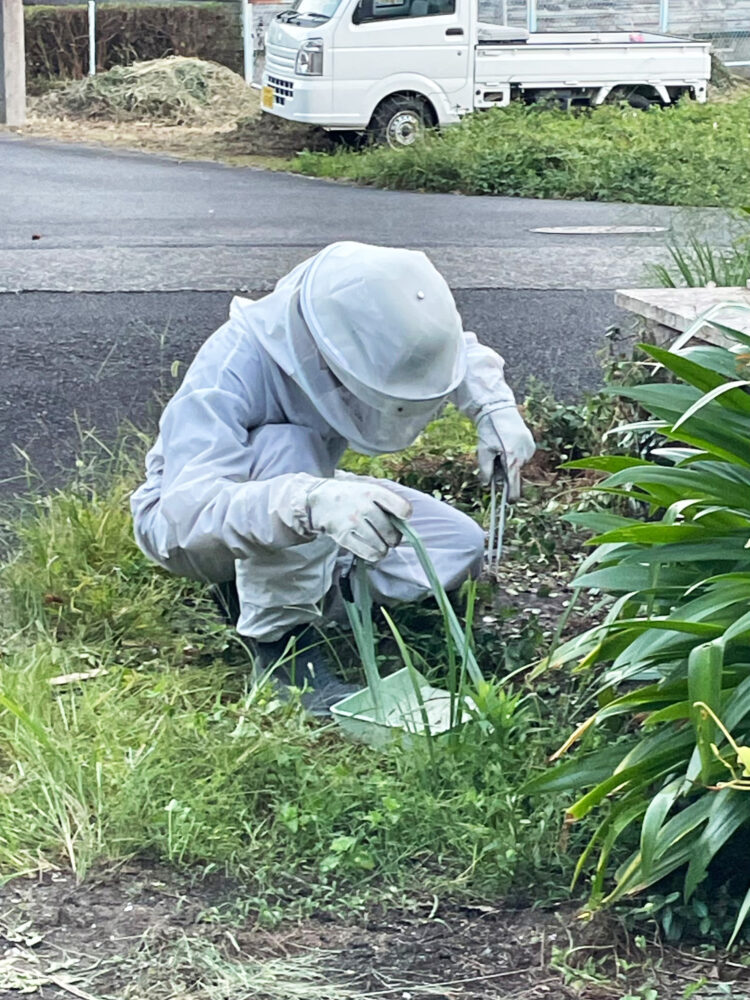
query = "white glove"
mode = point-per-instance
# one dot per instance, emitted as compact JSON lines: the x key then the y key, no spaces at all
{"x":503,"y":434}
{"x":356,"y":515}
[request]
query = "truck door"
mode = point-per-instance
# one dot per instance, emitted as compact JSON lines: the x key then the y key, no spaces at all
{"x":385,"y":46}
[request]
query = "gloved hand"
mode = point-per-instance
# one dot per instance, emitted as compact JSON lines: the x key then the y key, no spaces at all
{"x":502,"y":433}
{"x":355,"y":514}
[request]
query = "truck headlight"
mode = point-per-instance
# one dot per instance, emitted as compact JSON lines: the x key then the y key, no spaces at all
{"x":310,"y":58}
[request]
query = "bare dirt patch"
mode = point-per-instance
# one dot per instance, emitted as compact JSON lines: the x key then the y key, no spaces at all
{"x":141,"y":931}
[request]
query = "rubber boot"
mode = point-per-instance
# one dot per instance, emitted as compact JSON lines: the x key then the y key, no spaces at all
{"x":303,"y":665}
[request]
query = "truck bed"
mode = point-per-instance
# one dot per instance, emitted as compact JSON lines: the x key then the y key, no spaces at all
{"x":580,"y":59}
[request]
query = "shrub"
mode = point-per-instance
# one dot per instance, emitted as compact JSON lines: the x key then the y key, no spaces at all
{"x":692,"y":154}
{"x":667,"y":748}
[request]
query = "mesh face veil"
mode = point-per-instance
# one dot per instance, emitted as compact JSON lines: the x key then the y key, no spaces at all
{"x":373,"y":338}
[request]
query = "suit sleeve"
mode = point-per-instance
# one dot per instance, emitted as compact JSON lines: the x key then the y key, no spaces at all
{"x":484,"y":387}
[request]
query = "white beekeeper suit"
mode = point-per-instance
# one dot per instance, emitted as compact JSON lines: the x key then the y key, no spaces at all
{"x":358,"y":346}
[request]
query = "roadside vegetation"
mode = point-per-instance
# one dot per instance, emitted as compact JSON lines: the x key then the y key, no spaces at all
{"x":688,"y":155}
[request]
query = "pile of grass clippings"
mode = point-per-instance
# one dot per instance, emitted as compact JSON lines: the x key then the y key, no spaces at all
{"x":172,"y":91}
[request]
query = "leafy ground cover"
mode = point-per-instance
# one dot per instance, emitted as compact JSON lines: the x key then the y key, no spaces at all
{"x":688,"y":155}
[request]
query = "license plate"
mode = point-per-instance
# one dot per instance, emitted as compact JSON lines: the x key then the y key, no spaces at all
{"x":266,"y":97}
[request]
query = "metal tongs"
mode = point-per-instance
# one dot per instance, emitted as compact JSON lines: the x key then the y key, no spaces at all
{"x":497,"y":517}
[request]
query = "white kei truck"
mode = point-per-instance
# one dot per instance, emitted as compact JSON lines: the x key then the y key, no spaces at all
{"x":393,"y":67}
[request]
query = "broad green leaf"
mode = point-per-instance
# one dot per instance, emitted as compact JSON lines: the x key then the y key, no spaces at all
{"x":598,"y":521}
{"x":669,"y":853}
{"x":705,"y":379}
{"x":675,"y":712}
{"x":656,"y":813}
{"x":651,"y":766}
{"x":736,"y":706}
{"x":705,"y":666}
{"x":718,"y":359}
{"x":630,"y":578}
{"x":623,"y":815}
{"x":576,"y":773}
{"x":606,"y":463}
{"x":739,"y":629}
{"x":718,"y":393}
{"x":655,"y":534}
{"x":700,"y":480}
{"x":728,"y":548}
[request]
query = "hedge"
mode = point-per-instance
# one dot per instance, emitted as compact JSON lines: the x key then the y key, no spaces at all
{"x":57,"y":37}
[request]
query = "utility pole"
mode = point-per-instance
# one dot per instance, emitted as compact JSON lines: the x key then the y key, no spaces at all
{"x":12,"y":64}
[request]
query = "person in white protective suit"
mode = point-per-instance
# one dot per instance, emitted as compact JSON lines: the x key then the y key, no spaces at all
{"x":358,"y":346}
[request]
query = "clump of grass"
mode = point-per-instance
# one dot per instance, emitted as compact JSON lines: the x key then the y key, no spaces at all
{"x":697,"y":263}
{"x":688,"y":155}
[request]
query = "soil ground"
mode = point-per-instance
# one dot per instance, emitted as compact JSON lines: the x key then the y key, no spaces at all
{"x":253,"y":139}
{"x":139,"y":931}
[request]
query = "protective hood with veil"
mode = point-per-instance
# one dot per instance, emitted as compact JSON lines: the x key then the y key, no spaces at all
{"x":372,"y":337}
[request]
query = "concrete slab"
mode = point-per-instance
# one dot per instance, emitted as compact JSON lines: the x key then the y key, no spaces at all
{"x":668,"y":312}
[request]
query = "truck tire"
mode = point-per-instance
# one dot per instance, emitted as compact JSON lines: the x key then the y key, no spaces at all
{"x":635,"y":99}
{"x":400,"y":121}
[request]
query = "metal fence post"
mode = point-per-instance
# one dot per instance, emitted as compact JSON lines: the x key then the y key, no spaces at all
{"x":531,"y":14}
{"x":664,"y":15}
{"x":248,"y":41}
{"x":92,"y":37}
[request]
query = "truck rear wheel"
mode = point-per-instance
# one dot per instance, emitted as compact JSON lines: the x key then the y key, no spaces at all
{"x":635,"y":98}
{"x":400,"y":121}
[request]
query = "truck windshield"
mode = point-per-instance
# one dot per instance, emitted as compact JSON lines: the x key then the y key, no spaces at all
{"x":310,"y":11}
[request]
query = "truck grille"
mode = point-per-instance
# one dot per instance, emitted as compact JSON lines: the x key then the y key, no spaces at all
{"x":280,"y":59}
{"x":283,"y":90}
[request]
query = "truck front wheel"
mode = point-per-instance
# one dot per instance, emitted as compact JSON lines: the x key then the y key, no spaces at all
{"x":400,"y":121}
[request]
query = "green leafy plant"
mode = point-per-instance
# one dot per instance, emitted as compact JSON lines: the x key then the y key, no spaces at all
{"x":666,"y":752}
{"x":693,"y":154}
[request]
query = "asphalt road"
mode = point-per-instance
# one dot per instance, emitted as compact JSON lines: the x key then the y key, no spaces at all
{"x":114,"y":265}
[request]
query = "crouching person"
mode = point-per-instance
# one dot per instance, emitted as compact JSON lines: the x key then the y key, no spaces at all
{"x":358,"y":346}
